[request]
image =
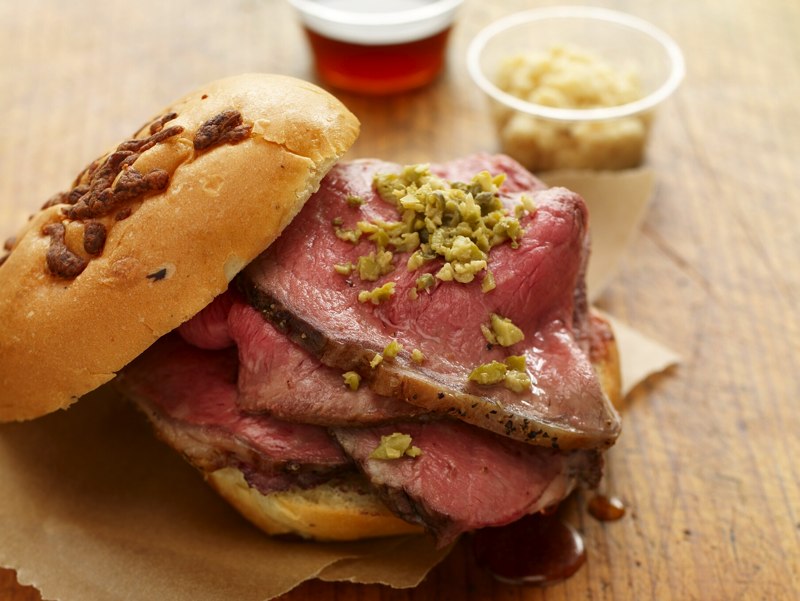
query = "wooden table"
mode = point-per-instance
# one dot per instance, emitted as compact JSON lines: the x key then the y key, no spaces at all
{"x":707,"y":464}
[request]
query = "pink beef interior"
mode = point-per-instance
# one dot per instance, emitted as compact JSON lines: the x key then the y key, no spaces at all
{"x":190,"y":396}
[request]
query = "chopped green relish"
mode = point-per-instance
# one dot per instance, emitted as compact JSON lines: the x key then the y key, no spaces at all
{"x":502,"y":331}
{"x":456,"y":222}
{"x":351,"y":379}
{"x":377,"y":295}
{"x":395,"y":446}
{"x":392,"y":349}
{"x":511,"y":373}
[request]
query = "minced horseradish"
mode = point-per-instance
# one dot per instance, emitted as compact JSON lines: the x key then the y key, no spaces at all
{"x":570,"y":78}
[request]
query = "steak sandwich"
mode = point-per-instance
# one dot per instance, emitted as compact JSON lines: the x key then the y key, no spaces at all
{"x":343,"y":349}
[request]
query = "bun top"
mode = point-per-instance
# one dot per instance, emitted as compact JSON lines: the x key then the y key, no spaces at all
{"x":151,"y":232}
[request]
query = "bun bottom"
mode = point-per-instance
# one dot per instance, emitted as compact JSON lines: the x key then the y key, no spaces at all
{"x":347,"y":509}
{"x":343,"y":510}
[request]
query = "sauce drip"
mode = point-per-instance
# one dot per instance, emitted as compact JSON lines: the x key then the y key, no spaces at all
{"x":606,"y":509}
{"x":537,"y":549}
{"x":384,"y":69}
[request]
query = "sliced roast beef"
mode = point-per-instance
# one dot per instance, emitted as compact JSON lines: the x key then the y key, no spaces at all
{"x":189,"y":395}
{"x":465,"y":477}
{"x":539,"y":286}
{"x":278,"y":377}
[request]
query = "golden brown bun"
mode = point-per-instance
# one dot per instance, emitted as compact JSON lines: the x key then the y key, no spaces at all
{"x":604,"y":354}
{"x":343,"y":510}
{"x":61,"y":337}
{"x":331,"y":512}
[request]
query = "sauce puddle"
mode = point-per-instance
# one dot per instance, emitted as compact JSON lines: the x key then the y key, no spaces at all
{"x":537,"y":549}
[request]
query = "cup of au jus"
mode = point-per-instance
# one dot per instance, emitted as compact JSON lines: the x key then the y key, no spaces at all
{"x":377,"y":47}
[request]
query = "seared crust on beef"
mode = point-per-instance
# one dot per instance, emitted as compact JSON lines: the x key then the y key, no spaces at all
{"x":279,"y":377}
{"x":466,"y":478}
{"x":405,"y":381}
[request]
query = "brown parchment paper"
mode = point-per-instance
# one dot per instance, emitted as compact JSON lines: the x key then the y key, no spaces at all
{"x":93,"y":507}
{"x":617,"y":202}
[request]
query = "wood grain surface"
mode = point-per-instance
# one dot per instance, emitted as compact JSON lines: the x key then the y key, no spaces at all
{"x":708,"y":461}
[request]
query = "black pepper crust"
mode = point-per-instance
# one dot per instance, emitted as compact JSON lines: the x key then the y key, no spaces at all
{"x":441,"y":403}
{"x":297,"y":329}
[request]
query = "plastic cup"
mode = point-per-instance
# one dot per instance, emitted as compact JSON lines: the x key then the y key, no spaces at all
{"x":545,"y":136}
{"x":377,"y":46}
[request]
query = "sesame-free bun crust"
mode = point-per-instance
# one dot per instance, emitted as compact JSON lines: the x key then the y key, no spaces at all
{"x":61,"y":337}
{"x":347,"y":512}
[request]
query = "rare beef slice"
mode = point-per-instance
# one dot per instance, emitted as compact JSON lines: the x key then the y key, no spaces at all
{"x":539,"y":286}
{"x":463,"y":478}
{"x":189,"y":395}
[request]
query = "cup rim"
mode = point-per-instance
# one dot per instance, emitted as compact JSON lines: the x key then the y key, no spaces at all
{"x":641,"y":105}
{"x":398,"y":17}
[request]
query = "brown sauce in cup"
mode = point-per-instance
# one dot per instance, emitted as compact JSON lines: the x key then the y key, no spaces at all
{"x":382,"y":69}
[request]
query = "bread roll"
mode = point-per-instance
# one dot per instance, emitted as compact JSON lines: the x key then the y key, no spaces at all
{"x":150,"y":234}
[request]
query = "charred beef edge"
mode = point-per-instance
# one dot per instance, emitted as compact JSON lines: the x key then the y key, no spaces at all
{"x":388,"y":380}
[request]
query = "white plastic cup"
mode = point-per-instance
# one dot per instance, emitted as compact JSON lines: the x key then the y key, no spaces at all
{"x":618,"y":38}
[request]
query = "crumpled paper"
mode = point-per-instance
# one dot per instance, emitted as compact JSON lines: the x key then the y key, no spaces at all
{"x":93,"y":507}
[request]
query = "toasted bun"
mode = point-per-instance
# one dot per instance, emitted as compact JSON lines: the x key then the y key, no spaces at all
{"x":347,"y":511}
{"x":168,"y":251}
{"x":340,"y":510}
{"x":604,"y":354}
